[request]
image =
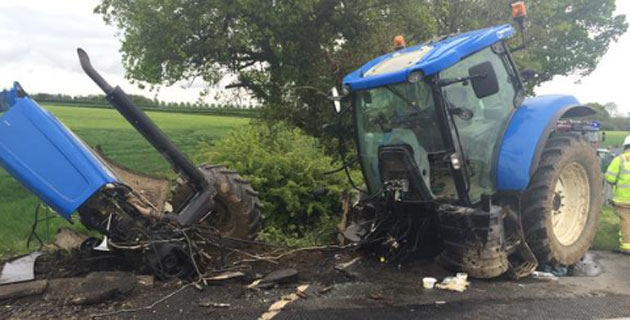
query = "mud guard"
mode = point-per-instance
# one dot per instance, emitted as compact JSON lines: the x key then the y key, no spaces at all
{"x":526,"y":135}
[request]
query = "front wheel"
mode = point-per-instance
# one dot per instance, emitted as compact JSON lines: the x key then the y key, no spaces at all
{"x":562,"y":204}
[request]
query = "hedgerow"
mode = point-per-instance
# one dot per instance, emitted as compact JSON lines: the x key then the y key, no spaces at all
{"x":302,"y":203}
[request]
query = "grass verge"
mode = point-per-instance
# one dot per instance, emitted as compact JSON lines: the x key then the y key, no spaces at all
{"x":607,"y":237}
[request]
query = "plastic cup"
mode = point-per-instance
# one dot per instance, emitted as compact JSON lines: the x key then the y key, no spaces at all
{"x":428,"y":282}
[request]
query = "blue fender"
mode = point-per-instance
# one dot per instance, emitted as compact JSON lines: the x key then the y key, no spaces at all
{"x":45,"y":156}
{"x":526,"y":135}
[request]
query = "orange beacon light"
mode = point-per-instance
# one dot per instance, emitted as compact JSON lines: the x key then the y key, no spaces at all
{"x":519,"y":10}
{"x":399,"y":42}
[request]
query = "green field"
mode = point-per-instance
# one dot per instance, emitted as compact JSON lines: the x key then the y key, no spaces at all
{"x":615,"y":138}
{"x":120,"y":142}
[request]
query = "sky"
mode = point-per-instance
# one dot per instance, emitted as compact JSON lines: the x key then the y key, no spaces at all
{"x":40,"y":37}
{"x":38,"y":46}
{"x":608,"y":82}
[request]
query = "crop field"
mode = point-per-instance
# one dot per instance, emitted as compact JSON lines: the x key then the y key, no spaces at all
{"x":121,"y":143}
{"x":615,"y":138}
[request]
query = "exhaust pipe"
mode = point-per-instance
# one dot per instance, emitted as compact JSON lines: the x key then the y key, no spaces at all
{"x":202,"y":201}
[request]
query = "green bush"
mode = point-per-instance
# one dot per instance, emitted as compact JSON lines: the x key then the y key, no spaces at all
{"x":286,"y":167}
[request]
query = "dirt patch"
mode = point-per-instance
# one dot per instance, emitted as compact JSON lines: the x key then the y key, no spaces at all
{"x":154,"y":188}
{"x":68,"y":239}
{"x":74,"y":263}
{"x":312,"y":267}
{"x":95,"y":288}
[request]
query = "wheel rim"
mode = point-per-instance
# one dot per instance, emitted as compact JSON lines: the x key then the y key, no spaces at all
{"x":570,"y":204}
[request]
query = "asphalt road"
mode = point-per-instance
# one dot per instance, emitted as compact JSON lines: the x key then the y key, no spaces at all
{"x":367,"y":290}
{"x":601,"y":297}
{"x":379,"y":291}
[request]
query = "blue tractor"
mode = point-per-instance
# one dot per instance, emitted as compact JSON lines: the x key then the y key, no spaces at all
{"x":459,"y":163}
{"x":53,"y":163}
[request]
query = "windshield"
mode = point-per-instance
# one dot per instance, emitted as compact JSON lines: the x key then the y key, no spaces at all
{"x":395,"y":115}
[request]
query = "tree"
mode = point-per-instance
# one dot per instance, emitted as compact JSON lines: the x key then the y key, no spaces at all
{"x":612,"y":109}
{"x":285,"y":53}
{"x":288,"y":53}
{"x":602,"y":111}
{"x":565,"y":36}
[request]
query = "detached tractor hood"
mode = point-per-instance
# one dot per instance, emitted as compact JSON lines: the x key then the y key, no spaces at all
{"x":45,"y":156}
{"x":429,"y":58}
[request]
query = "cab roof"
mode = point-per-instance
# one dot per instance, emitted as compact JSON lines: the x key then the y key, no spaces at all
{"x":430,"y":57}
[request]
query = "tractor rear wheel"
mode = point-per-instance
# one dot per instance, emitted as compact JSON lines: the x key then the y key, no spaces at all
{"x":562,"y":204}
{"x":237,"y":209}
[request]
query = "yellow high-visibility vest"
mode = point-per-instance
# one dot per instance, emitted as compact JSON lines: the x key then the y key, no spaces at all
{"x":618,"y":174}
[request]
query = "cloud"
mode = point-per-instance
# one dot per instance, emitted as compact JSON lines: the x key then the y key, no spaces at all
{"x":39,"y":50}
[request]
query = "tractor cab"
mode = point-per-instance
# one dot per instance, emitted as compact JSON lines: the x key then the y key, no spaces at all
{"x":430,"y":117}
{"x":458,"y":163}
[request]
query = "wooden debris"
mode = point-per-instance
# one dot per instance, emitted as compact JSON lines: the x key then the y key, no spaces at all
{"x":254,"y":284}
{"x":197,"y":286}
{"x":212,"y":304}
{"x":325,"y":290}
{"x":23,"y":289}
{"x":277,"y":306}
{"x":344,"y":266}
{"x":226,"y":276}
{"x":146,"y":280}
{"x":301,"y":291}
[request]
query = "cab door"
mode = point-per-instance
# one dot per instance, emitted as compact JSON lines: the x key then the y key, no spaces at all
{"x":480,"y":135}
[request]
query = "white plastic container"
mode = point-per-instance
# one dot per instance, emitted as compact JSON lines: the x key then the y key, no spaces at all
{"x":428,"y":282}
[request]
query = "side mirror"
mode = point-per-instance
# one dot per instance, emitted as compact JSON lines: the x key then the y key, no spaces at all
{"x":528,"y":74}
{"x":336,"y":99}
{"x":484,"y":80}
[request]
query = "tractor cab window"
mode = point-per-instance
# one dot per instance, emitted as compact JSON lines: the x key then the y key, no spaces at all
{"x":480,"y":135}
{"x":397,"y":114}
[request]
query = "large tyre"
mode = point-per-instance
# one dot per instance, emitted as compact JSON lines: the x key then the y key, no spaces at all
{"x":237,"y":209}
{"x":562,"y":204}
